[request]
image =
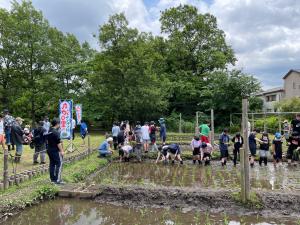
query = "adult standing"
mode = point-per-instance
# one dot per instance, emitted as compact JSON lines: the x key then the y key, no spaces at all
{"x":39,"y":143}
{"x":115,"y":130}
{"x":295,"y":124}
{"x":8,"y":122}
{"x":2,"y":134}
{"x":138,"y":140}
{"x":73,"y":128}
{"x":83,"y":131}
{"x":146,"y":136}
{"x":286,"y":129}
{"x":55,"y":152}
{"x":205,"y":132}
{"x":17,"y":138}
{"x":47,"y":124}
{"x":162,"y":130}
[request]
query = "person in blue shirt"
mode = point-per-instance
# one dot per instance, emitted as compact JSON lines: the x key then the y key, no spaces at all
{"x":83,"y":131}
{"x":105,"y":148}
{"x":115,"y":131}
{"x":224,"y":143}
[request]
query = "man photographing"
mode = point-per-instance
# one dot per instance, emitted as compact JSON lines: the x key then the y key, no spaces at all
{"x":55,"y":152}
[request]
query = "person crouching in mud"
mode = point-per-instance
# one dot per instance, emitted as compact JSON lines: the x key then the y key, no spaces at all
{"x":196,"y":145}
{"x":163,"y":154}
{"x":174,"y":151}
{"x":206,"y":150}
{"x":124,"y":152}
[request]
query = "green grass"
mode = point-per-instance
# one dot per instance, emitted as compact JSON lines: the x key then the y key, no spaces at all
{"x":40,"y":188}
{"x":27,"y":157}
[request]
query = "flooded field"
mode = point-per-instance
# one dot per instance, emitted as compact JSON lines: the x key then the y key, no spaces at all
{"x":188,"y":175}
{"x":77,"y":212}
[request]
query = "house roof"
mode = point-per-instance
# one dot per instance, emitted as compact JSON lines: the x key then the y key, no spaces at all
{"x":291,"y":71}
{"x":270,"y":91}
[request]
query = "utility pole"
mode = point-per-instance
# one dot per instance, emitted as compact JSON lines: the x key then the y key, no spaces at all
{"x":212,"y":125}
{"x":245,"y":177}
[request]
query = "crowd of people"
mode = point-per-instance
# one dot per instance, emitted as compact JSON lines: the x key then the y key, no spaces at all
{"x":143,"y":138}
{"x":44,"y":139}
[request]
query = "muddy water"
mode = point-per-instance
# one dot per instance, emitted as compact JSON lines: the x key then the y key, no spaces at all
{"x":188,"y":175}
{"x":79,"y":212}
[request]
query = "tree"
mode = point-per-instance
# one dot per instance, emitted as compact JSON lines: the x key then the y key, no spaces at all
{"x":127,"y":82}
{"x":288,"y":105}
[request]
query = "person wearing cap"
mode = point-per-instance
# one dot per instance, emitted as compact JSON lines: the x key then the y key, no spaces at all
{"x":277,"y":148}
{"x":105,"y":148}
{"x":55,"y":152}
{"x":206,"y":150}
{"x":146,"y":136}
{"x":8,"y":122}
{"x":162,"y":130}
{"x":17,"y":137}
{"x":286,"y":129}
{"x":47,"y":124}
{"x":224,"y":143}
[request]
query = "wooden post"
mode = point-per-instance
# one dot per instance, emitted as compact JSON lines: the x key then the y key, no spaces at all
{"x":5,"y":169}
{"x":180,"y":128}
{"x":89,"y":144}
{"x":197,"y":123}
{"x":265,"y":122}
{"x":245,"y":177}
{"x":279,"y":121}
{"x":253,"y":122}
{"x":212,"y":125}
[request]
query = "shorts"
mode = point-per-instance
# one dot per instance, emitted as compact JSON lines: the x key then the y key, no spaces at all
{"x":263,"y":153}
{"x":2,"y":139}
{"x":115,"y":140}
{"x":278,"y":155}
{"x":253,"y":151}
{"x":224,"y":153}
{"x":175,"y":153}
{"x":205,"y":155}
{"x":146,"y":140}
{"x":196,"y":151}
{"x":204,"y":139}
{"x":8,"y":136}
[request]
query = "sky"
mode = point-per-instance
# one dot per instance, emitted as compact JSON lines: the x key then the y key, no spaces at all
{"x":265,"y":34}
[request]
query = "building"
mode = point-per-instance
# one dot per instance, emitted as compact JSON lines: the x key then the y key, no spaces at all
{"x":290,"y":89}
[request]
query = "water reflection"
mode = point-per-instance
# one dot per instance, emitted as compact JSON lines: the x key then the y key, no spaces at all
{"x":265,"y":177}
{"x":79,"y":212}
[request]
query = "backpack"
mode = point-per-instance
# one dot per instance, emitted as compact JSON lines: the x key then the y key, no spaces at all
{"x":38,"y":136}
{"x":8,"y":121}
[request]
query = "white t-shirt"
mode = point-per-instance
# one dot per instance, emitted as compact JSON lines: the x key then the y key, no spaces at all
{"x":73,"y":124}
{"x":145,"y":132}
{"x":1,"y":127}
{"x":127,"y":148}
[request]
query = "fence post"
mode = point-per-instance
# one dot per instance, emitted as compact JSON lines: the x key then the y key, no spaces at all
{"x":253,"y":122}
{"x":197,"y":123}
{"x":180,"y":129}
{"x":212,"y":124}
{"x":245,"y":178}
{"x":279,"y":121}
{"x":265,"y":122}
{"x":5,"y":169}
{"x":89,"y":144}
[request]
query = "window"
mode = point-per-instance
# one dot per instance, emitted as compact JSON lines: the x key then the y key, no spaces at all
{"x":294,"y":85}
{"x":271,"y":98}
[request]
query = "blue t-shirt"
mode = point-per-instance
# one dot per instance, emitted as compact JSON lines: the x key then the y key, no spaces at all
{"x":115,"y":130}
{"x":83,"y":128}
{"x":104,"y":147}
{"x":224,"y":140}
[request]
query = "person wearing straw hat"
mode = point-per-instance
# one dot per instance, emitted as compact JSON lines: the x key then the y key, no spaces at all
{"x":17,"y":137}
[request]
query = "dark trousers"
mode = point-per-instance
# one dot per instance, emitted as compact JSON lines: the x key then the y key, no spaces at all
{"x":73,"y":134}
{"x":236,"y":151}
{"x":115,"y":140}
{"x":55,"y":166}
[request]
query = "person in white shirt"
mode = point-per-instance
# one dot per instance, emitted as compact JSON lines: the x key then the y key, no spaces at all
{"x":46,"y":124}
{"x":73,"y":128}
{"x":145,"y":136}
{"x":2,"y":136}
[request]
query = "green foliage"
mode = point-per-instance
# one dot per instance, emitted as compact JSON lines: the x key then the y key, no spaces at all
{"x":272,"y":123}
{"x":288,"y":105}
{"x":255,"y":201}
